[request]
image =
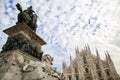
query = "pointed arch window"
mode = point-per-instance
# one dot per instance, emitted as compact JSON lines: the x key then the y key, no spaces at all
{"x":88,"y":78}
{"x":84,"y":59}
{"x":69,"y":77}
{"x":76,"y":70}
{"x":99,"y":74}
{"x":86,"y":70}
{"x":77,"y":78}
{"x":97,"y":66}
{"x":108,"y":73}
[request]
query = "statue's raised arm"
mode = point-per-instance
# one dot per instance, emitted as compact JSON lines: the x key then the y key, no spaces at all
{"x":19,"y":7}
{"x":27,"y":16}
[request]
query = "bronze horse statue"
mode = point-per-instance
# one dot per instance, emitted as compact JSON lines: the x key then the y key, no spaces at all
{"x":27,"y":16}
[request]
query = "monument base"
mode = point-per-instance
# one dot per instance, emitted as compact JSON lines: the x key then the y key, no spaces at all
{"x":14,"y":65}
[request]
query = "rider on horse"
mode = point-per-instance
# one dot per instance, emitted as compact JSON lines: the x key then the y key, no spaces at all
{"x":27,"y":16}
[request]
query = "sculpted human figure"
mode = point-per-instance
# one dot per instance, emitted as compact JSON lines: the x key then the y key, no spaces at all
{"x":48,"y":58}
{"x":27,"y":16}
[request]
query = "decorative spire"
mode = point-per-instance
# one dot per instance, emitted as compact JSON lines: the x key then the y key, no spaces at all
{"x":77,"y":50}
{"x":109,"y":58}
{"x":70,"y":58}
{"x":88,"y":48}
{"x":85,"y":46}
{"x":64,"y":64}
{"x":97,"y":54}
{"x":106,"y":56}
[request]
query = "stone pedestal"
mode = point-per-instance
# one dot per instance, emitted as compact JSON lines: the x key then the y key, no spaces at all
{"x":21,"y":57}
{"x":26,"y":30}
{"x":14,"y":65}
{"x":22,"y":38}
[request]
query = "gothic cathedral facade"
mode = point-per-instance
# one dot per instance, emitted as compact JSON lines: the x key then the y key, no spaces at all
{"x":87,"y":66}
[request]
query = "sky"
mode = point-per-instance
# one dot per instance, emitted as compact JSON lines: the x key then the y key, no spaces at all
{"x":67,"y":24}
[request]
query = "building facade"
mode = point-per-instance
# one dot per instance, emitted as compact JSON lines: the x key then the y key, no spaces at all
{"x":87,"y":66}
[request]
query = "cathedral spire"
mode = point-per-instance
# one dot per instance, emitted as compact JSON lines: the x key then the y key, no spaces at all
{"x":70,"y":58}
{"x":64,"y":68}
{"x":106,"y":56}
{"x":76,"y":50}
{"x":109,"y":58}
{"x":97,"y":54}
{"x":63,"y":64}
{"x":88,"y":48}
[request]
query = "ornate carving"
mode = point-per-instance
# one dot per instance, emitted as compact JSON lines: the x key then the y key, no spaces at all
{"x":47,"y":58}
{"x":51,"y":71}
{"x":23,"y":44}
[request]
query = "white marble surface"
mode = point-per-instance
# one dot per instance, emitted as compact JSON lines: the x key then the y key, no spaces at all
{"x":66,"y":24}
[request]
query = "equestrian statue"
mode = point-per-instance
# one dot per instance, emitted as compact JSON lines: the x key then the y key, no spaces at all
{"x":27,"y":16}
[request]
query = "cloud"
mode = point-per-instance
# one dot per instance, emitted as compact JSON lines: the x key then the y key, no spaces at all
{"x":116,"y":40}
{"x":66,"y":26}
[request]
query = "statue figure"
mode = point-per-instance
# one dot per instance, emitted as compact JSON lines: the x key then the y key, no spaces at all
{"x":48,"y":58}
{"x":27,"y":16}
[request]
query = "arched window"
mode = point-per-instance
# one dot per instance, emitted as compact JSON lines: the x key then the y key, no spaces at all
{"x":69,"y":77}
{"x":99,"y":74}
{"x":88,"y":78}
{"x":86,"y":70}
{"x":77,"y":78}
{"x":108,"y":73}
{"x":84,"y":59}
{"x":76,"y":70}
{"x":97,"y":66}
{"x":110,"y":79}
